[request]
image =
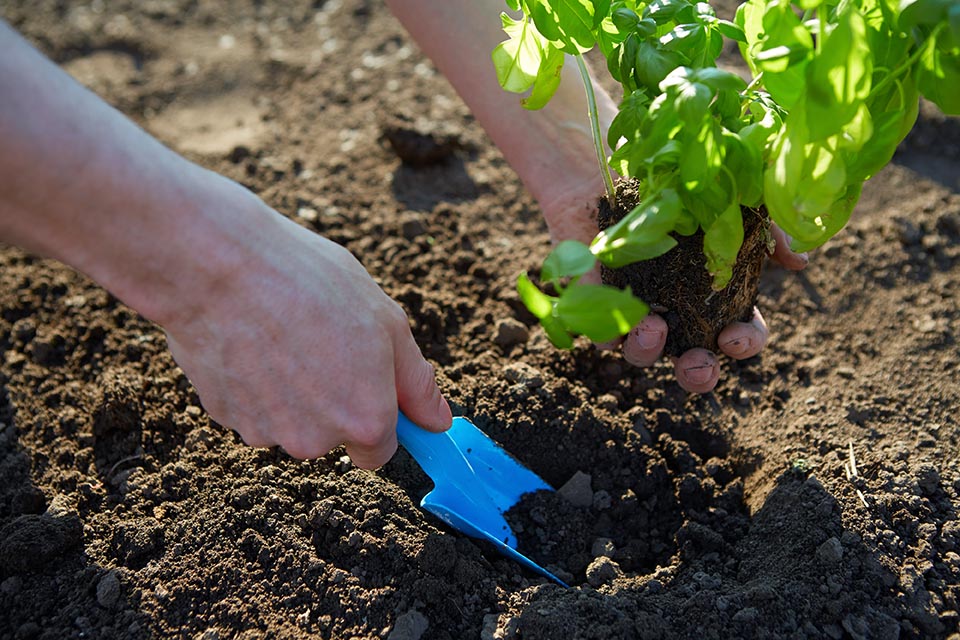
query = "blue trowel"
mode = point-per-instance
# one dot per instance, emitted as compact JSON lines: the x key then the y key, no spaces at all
{"x":475,"y":483}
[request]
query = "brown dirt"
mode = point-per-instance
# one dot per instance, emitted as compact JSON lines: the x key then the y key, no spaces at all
{"x":125,"y":513}
{"x":677,"y":284}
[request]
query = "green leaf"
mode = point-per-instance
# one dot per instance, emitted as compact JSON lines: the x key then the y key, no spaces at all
{"x":731,"y":30}
{"x":766,"y":122}
{"x":547,"y":80}
{"x":539,"y":303}
{"x":692,"y":101}
{"x":544,"y":308}
{"x":684,"y":37}
{"x":721,"y":245}
{"x":838,"y":77}
{"x":517,"y":60}
{"x":923,"y":12}
{"x":625,"y":19}
{"x":804,"y":182}
{"x":702,"y":156}
{"x":938,"y":77}
{"x":557,"y":332}
{"x":718,"y":79}
{"x":779,"y":46}
{"x":711,"y":200}
{"x":744,"y":160}
{"x":663,"y":11}
{"x":568,"y":259}
{"x":653,"y":64}
{"x":626,"y":124}
{"x":600,"y":312}
{"x":642,"y":234}
{"x":570,"y":23}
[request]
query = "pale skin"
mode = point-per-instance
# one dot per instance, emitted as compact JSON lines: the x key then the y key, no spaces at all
{"x":262,"y":315}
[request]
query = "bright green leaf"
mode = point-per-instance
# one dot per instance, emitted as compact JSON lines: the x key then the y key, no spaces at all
{"x":938,"y":77}
{"x":547,"y":80}
{"x":745,"y":161}
{"x":642,"y":234}
{"x":663,"y":11}
{"x":567,"y":260}
{"x":570,"y":23}
{"x":539,"y":303}
{"x":517,"y":60}
{"x":557,"y":332}
{"x":721,"y":244}
{"x":718,"y":79}
{"x":805,"y":180}
{"x":600,"y":312}
{"x":702,"y":156}
{"x":838,"y":77}
{"x":731,"y":30}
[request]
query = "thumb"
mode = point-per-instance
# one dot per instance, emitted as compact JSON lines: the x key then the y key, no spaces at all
{"x":418,"y":395}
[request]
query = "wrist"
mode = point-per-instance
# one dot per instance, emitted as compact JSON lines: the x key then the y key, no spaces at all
{"x":198,"y":240}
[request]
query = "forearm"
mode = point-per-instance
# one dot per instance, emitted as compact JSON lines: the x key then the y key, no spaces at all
{"x":81,"y":183}
{"x":549,"y":149}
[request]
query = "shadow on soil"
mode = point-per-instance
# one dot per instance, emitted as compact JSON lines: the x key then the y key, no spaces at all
{"x":47,"y":583}
{"x":819,"y":579}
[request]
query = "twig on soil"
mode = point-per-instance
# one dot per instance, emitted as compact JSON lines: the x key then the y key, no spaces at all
{"x":453,"y":602}
{"x":119,"y":462}
{"x":850,"y":467}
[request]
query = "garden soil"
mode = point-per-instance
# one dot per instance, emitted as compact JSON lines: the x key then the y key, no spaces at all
{"x":814,"y":494}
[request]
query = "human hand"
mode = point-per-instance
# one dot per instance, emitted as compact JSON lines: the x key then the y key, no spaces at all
{"x":297,"y":346}
{"x":285,"y":336}
{"x":572,"y":216}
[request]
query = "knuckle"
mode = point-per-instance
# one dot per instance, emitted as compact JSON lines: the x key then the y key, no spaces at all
{"x":368,"y":436}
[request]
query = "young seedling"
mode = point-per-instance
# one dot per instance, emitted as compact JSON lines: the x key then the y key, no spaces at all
{"x":707,"y":158}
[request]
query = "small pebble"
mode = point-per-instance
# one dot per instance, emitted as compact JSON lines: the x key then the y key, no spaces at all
{"x":510,"y":332}
{"x":603,"y":547}
{"x":830,"y":552}
{"x":108,"y":590}
{"x":410,"y":626}
{"x":524,"y":374}
{"x":602,"y":570}
{"x":928,"y":478}
{"x":577,"y":490}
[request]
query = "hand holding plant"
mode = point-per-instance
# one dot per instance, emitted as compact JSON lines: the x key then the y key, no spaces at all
{"x":711,"y":159}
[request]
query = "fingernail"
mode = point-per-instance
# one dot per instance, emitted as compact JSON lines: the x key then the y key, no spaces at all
{"x":698,"y":375}
{"x":737,"y":346}
{"x":804,"y":257}
{"x":648,"y":339}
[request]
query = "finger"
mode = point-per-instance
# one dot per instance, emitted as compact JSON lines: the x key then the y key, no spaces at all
{"x":697,"y":370}
{"x":643,"y":346}
{"x":741,"y":340}
{"x":609,"y":345}
{"x":782,"y":253}
{"x":371,"y":438}
{"x":373,"y":455}
{"x":418,"y":395}
{"x":256,"y":440}
{"x":308,"y":446}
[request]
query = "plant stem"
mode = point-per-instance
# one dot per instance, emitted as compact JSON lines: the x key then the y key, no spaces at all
{"x":595,"y":129}
{"x":890,"y":77}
